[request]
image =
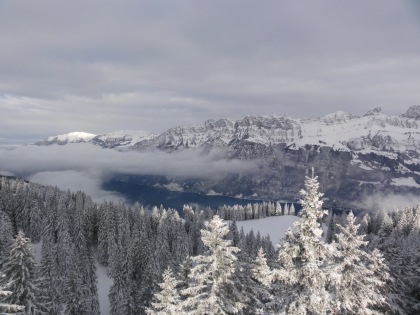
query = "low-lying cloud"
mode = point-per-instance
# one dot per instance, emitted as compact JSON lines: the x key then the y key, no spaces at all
{"x":76,"y":180}
{"x":85,"y":166}
{"x":380,"y":201}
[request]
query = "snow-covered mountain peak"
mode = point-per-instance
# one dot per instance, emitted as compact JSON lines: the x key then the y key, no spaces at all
{"x":374,"y":112}
{"x":76,"y":136}
{"x":413,"y":112}
{"x":337,"y":117}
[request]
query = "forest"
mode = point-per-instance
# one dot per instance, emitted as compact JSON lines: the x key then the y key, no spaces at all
{"x":200,"y":263}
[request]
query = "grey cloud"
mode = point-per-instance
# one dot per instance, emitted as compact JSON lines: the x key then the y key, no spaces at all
{"x":380,"y":202}
{"x":84,"y":166}
{"x":102,"y":65}
{"x":88,"y":182}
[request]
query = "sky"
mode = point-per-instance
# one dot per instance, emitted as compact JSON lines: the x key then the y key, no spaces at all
{"x":98,"y":66}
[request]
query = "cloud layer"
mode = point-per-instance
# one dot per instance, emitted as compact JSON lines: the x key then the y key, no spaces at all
{"x":382,"y":202}
{"x":85,"y":167}
{"x":98,"y":66}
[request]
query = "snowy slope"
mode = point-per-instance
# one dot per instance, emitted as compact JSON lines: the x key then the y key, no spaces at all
{"x":122,"y":138}
{"x":275,"y":226}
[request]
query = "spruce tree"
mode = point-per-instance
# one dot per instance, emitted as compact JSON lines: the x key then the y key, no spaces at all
{"x":6,"y":235}
{"x":19,"y":267}
{"x":301,"y":254}
{"x":212,"y":289}
{"x":167,"y":300}
{"x":7,"y":308}
{"x":259,"y":289}
{"x":356,"y":282}
{"x":331,"y":228}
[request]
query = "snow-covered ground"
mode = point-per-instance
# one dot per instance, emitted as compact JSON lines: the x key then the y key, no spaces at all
{"x":405,"y":181}
{"x":37,"y":250}
{"x":276,"y":226}
{"x":104,"y":284}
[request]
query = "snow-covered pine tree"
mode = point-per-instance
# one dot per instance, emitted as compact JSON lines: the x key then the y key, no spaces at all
{"x":19,"y":267}
{"x":251,"y":246}
{"x":212,"y":289}
{"x":259,"y":289}
{"x":168,"y":301}
{"x":286,"y":209}
{"x":104,"y":226}
{"x":331,"y":228}
{"x":261,"y":272}
{"x":6,"y":308}
{"x":49,"y":275}
{"x":6,"y":235}
{"x":301,"y":256}
{"x":121,"y":264}
{"x":355,"y":281}
{"x":84,"y":256}
{"x":402,"y":253}
{"x":292,"y":210}
{"x":278,"y":210}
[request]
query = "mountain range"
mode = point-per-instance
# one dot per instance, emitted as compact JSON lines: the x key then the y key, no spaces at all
{"x":354,"y":156}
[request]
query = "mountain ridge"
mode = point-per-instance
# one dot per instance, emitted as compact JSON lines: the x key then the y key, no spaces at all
{"x":354,"y":156}
{"x":340,"y":129}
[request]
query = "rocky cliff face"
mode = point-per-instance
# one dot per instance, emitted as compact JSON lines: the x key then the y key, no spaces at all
{"x":353,"y":156}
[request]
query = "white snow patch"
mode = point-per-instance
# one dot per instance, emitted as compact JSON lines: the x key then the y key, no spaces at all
{"x":275,"y":226}
{"x":104,"y":285}
{"x":37,"y":250}
{"x":361,"y":165}
{"x":173,"y":187}
{"x":405,"y":181}
{"x":73,"y":136}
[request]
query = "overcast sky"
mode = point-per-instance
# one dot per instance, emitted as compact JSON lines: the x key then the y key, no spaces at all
{"x":99,"y":66}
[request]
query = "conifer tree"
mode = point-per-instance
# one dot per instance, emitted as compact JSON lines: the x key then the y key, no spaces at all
{"x":278,"y":209}
{"x":261,"y":272}
{"x":301,"y":255}
{"x":262,"y":300}
{"x":6,"y":235}
{"x":167,"y":299}
{"x":286,"y":209}
{"x":20,"y":270}
{"x":292,"y":210}
{"x":331,"y":229}
{"x":212,"y":289}
{"x":120,"y":294}
{"x":357,"y":287}
{"x":7,"y":308}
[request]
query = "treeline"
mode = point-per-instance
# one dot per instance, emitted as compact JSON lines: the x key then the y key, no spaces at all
{"x":255,"y":211}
